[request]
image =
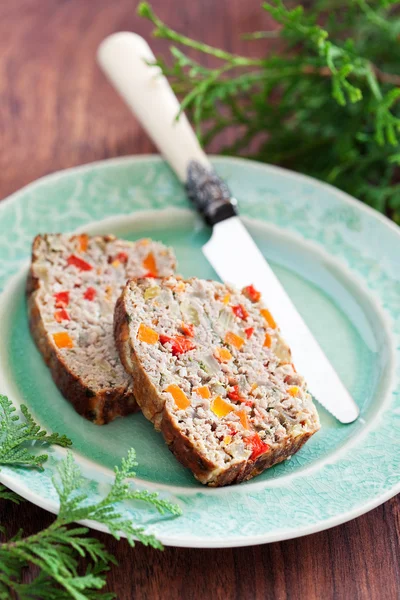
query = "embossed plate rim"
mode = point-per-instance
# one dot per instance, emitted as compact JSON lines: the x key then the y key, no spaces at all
{"x":243,"y":539}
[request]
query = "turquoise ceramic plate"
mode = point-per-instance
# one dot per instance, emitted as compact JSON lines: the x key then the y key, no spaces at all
{"x":340,"y":262}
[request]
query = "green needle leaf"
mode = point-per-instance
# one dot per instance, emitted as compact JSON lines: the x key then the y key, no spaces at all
{"x":328,"y":105}
{"x":19,"y":437}
{"x":58,"y":550}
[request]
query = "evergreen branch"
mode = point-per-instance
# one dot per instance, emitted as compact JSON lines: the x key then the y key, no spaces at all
{"x":327,"y":105}
{"x":18,"y":437}
{"x":57,"y":550}
{"x":163,"y":31}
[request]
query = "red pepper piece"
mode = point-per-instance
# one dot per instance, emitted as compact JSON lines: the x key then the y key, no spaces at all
{"x":187,"y":329}
{"x":79,"y":263}
{"x":61,"y":299}
{"x":240,"y":311}
{"x":179,"y":344}
{"x":249,"y":332}
{"x":149,"y":275}
{"x":259,"y":447}
{"x":122,"y":257}
{"x":251,"y":293}
{"x":236,"y":396}
{"x":90,"y":294}
{"x":61,"y":315}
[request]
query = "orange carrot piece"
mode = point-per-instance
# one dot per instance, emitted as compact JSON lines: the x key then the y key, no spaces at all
{"x":180,"y":398}
{"x":220,"y":407}
{"x":63,"y":340}
{"x":147,"y":335}
{"x":243,"y":419}
{"x":203,"y":391}
{"x":294,"y":390}
{"x":83,"y":241}
{"x":187,"y":329}
{"x":268,"y":317}
{"x":234,"y":340}
{"x":268,"y":340}
{"x":222,"y":355}
{"x":149,"y":264}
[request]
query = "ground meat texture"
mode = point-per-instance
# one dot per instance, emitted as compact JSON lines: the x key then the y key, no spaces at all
{"x":73,"y":284}
{"x":228,"y":404}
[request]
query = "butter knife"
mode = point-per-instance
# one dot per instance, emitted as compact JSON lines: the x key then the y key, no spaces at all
{"x":127,"y":60}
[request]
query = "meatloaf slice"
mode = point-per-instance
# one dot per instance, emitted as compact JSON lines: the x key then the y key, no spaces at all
{"x":73,"y":284}
{"x":212,"y":372}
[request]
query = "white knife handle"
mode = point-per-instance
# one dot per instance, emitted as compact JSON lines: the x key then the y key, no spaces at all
{"x":147,"y":92}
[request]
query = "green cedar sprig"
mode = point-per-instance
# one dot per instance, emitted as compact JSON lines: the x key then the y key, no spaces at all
{"x":17,"y":437}
{"x":57,"y":550}
{"x":326,"y":104}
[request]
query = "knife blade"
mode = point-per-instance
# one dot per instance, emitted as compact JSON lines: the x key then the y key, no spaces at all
{"x":128,"y":61}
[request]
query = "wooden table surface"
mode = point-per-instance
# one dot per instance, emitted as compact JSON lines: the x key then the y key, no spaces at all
{"x":56,"y":111}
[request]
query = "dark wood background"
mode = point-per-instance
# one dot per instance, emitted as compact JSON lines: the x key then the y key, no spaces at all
{"x":56,"y":111}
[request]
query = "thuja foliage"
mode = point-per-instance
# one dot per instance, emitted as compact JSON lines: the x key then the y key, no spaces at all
{"x":323,"y":98}
{"x":57,"y":552}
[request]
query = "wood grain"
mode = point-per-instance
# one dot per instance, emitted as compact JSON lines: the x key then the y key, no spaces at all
{"x":56,"y":111}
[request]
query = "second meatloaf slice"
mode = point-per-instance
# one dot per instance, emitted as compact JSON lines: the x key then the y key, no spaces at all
{"x":211,"y":370}
{"x":73,"y":284}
